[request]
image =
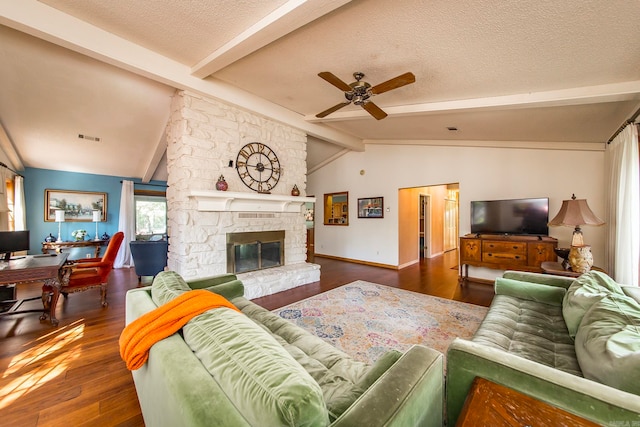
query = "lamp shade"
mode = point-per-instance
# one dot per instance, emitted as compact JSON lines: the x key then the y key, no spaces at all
{"x":59,"y":215}
{"x":574,"y":213}
{"x":97,"y":216}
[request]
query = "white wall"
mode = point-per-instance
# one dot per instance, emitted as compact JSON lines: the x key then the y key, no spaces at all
{"x":484,"y":173}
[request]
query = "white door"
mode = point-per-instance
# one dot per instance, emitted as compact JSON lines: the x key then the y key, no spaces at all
{"x":450,"y":224}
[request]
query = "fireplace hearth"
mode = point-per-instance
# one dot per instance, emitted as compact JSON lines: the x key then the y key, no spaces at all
{"x":255,"y":250}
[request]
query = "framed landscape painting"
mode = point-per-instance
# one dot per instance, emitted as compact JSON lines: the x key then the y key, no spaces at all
{"x":78,"y":206}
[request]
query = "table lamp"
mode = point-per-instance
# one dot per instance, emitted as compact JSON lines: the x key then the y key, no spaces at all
{"x":574,"y":213}
{"x":97,"y":217}
{"x":59,"y":220}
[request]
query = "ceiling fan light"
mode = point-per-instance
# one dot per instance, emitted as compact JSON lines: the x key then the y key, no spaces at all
{"x":359,"y":100}
{"x":359,"y":92}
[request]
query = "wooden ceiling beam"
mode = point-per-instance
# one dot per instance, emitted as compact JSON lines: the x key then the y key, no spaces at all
{"x":282,"y":21}
{"x":614,"y":92}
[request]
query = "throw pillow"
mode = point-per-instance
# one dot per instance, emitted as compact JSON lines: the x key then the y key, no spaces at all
{"x":608,"y":343}
{"x":257,"y":374}
{"x":166,"y":286}
{"x":585,"y":291}
{"x":545,"y":294}
{"x":632,"y":291}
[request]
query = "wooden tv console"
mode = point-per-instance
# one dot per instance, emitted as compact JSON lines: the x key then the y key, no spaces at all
{"x":505,"y":252}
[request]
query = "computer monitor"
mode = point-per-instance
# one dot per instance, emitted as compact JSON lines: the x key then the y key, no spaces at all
{"x":13,"y":241}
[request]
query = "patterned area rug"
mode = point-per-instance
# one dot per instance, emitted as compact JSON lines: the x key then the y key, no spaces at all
{"x":365,"y":319}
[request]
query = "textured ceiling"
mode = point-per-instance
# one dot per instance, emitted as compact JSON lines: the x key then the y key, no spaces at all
{"x":543,"y":72}
{"x":186,"y":31}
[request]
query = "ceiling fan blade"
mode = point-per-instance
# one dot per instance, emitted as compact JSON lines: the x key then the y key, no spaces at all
{"x":332,"y":109}
{"x":394,"y":83}
{"x":331,"y":78}
{"x":374,"y":110}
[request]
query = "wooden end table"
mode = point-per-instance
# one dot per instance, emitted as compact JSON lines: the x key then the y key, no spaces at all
{"x":557,"y":269}
{"x":491,"y":404}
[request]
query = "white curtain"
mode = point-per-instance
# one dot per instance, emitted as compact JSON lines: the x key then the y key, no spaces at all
{"x":126,"y":224}
{"x":4,"y":205}
{"x":623,"y":216}
{"x":19,"y":210}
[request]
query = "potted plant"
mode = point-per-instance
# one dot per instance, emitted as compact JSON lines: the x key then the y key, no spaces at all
{"x":79,"y":235}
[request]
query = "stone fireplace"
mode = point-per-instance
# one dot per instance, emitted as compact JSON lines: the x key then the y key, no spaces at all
{"x":204,"y":137}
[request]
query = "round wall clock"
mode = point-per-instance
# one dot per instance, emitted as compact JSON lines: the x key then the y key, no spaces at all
{"x":258,"y":167}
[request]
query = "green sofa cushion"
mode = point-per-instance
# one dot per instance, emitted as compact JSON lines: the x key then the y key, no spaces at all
{"x":263,"y":381}
{"x":545,"y":294}
{"x":585,"y":291}
{"x":338,"y":375}
{"x":608,"y":343}
{"x":340,"y":403}
{"x":226,"y":285}
{"x":531,"y":330}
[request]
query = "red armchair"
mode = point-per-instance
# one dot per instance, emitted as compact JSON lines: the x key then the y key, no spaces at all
{"x":89,"y":273}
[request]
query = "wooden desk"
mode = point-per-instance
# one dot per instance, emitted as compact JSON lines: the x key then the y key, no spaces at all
{"x":60,"y":246}
{"x":35,"y":268}
{"x":494,"y":405}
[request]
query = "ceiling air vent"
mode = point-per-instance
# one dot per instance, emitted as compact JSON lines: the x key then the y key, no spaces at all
{"x":90,"y":138}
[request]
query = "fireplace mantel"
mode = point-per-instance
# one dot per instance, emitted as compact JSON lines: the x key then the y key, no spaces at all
{"x":229,"y":201}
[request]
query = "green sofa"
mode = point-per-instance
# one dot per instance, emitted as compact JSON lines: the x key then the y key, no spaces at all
{"x":573,"y":343}
{"x":226,"y":368}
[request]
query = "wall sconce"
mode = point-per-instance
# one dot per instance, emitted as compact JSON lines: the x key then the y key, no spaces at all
{"x":59,"y":220}
{"x":574,"y":213}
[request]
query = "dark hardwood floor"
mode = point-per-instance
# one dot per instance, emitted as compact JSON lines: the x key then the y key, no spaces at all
{"x":72,"y":375}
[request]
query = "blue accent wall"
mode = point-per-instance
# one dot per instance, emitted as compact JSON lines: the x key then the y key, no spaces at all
{"x":38,"y":180}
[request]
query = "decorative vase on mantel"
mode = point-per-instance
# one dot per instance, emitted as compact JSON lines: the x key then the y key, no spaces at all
{"x":222,"y":185}
{"x":295,"y":191}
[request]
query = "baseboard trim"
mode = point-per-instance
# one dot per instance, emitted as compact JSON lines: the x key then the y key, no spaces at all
{"x":358,"y":261}
{"x":477,"y":280}
{"x":407,"y":264}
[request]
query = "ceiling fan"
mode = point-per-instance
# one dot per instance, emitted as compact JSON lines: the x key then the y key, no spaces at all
{"x":360,"y":92}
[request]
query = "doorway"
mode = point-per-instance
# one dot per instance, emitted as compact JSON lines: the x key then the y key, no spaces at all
{"x":425,"y":226}
{"x":309,"y":218}
{"x":428,"y":222}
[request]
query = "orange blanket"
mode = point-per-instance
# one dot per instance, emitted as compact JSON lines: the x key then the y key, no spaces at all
{"x":138,"y":337}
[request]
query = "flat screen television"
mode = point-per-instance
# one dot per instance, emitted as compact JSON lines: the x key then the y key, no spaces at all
{"x":516,"y":216}
{"x":13,"y":241}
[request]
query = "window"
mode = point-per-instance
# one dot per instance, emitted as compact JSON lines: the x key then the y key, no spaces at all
{"x":151,"y":217}
{"x":336,"y":208}
{"x":9,"y":191}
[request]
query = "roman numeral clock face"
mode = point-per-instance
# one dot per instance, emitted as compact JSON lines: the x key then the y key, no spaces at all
{"x":258,"y":167}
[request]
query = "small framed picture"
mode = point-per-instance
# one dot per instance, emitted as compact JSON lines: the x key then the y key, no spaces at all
{"x":371,"y":207}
